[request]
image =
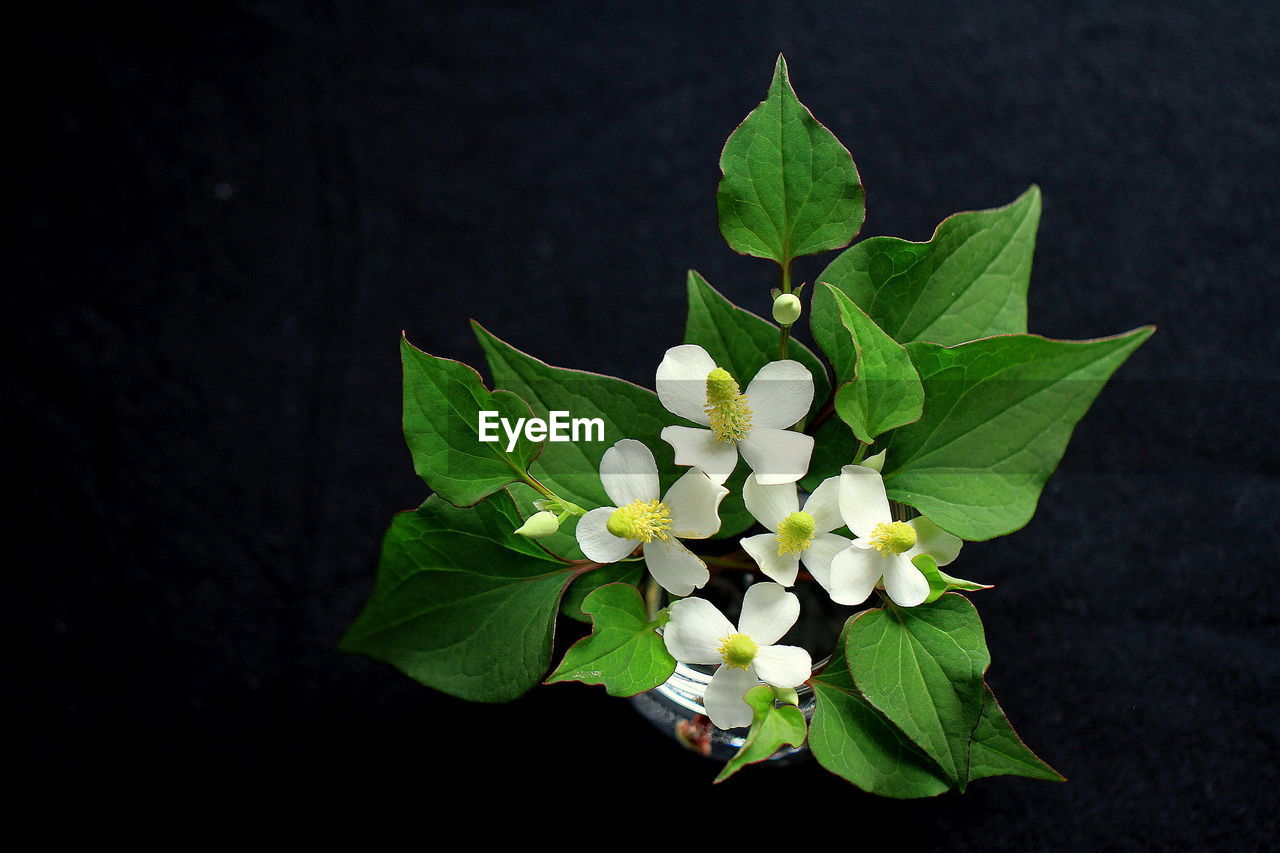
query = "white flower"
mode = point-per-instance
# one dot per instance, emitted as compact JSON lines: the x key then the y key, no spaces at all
{"x":754,"y":422}
{"x":698,"y":633}
{"x":884,"y":547}
{"x":689,"y":510}
{"x":801,"y":535}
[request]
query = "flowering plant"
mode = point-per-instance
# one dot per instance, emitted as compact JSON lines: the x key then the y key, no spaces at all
{"x":931,"y":367}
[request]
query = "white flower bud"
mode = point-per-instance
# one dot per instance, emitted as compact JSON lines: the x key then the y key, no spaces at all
{"x":786,"y":309}
{"x":538,"y":525}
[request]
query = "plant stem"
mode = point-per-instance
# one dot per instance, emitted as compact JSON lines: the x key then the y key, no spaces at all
{"x":825,"y":412}
{"x":728,"y":563}
{"x":530,"y":480}
{"x":652,"y":597}
{"x":784,"y":335}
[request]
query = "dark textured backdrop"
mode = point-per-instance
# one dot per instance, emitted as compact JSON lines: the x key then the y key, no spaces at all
{"x":224,"y":216}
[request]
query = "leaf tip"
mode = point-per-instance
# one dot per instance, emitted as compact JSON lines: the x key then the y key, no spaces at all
{"x":781,"y":77}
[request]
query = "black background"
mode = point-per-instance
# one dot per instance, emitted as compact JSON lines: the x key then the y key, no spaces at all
{"x":224,"y":216}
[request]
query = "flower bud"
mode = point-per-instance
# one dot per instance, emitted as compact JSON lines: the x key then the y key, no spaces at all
{"x":786,"y":695}
{"x":786,"y":309}
{"x":874,"y":462}
{"x":538,"y":525}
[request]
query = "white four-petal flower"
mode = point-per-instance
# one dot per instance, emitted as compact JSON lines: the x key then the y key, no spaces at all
{"x":884,"y":547}
{"x":800,"y":535}
{"x":753,"y":422}
{"x":689,"y":510}
{"x":698,"y":633}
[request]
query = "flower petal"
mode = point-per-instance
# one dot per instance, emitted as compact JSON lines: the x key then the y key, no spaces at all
{"x":934,"y":541}
{"x":906,"y":584}
{"x":817,"y":559}
{"x":854,"y":574}
{"x":824,"y":506}
{"x":776,"y":455}
{"x":698,"y":447}
{"x":780,"y":394}
{"x":595,"y":540}
{"x":629,"y":473}
{"x":768,"y":612}
{"x":863,"y":503}
{"x":764,"y":550}
{"x":724,"y":700}
{"x":694,"y":501}
{"x":783,"y":666}
{"x":770,"y":504}
{"x":695,"y":631}
{"x":682,"y":381}
{"x":674,"y":566}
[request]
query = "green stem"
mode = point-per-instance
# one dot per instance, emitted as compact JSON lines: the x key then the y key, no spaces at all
{"x":861,"y":452}
{"x":652,"y":598}
{"x":727,"y":563}
{"x":785,"y":334}
{"x":529,"y":480}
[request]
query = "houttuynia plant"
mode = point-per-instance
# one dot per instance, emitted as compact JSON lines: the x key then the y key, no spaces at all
{"x":936,"y":420}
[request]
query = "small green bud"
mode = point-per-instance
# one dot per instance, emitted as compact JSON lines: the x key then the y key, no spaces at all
{"x":876,"y":462}
{"x":538,"y":525}
{"x":786,"y":695}
{"x":786,"y":309}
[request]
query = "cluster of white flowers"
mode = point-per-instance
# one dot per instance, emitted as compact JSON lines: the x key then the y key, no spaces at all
{"x":755,"y":423}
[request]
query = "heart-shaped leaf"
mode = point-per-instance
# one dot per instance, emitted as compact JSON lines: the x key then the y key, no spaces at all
{"x":969,"y":281}
{"x":789,"y":187}
{"x":922,"y":668}
{"x":624,"y":651}
{"x":997,"y":416}
{"x":461,"y":603}
{"x":443,"y":400}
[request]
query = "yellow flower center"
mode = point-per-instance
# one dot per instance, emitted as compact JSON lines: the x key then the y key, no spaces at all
{"x":726,"y":407}
{"x":893,"y":538}
{"x":738,"y":651}
{"x":643,"y":520}
{"x":795,"y":533}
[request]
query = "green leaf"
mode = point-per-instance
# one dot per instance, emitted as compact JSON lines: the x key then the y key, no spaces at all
{"x":461,"y":603}
{"x":997,"y":750}
{"x":882,"y":390}
{"x":772,"y":728}
{"x":940,"y":581}
{"x":922,"y":668}
{"x":631,"y":573}
{"x":571,"y":469}
{"x":442,"y":404}
{"x":997,"y":416}
{"x":624,"y":651}
{"x":742,"y":342}
{"x":789,"y":188}
{"x":852,"y":739}
{"x":969,"y":281}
